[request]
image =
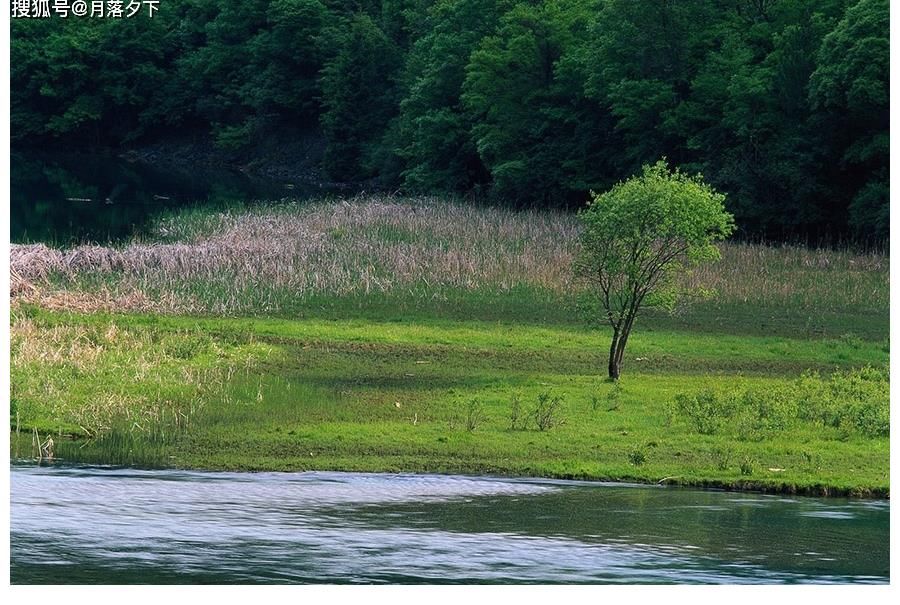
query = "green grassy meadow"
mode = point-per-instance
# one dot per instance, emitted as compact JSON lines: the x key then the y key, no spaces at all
{"x":439,"y":362}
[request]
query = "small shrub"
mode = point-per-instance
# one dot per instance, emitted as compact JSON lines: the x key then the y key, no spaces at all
{"x":765,"y":412}
{"x":774,"y":408}
{"x":671,"y":410}
{"x":853,"y":402}
{"x":808,"y":458}
{"x":747,"y":465}
{"x":722,"y":459}
{"x":706,"y":410}
{"x":865,"y":394}
{"x":614,"y":397}
{"x":547,"y":413}
{"x":871,"y":418}
{"x":637,"y":457}
{"x":474,"y":414}
{"x":857,"y":401}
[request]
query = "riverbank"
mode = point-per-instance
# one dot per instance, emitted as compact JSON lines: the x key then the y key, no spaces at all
{"x":438,"y":396}
{"x":434,"y":338}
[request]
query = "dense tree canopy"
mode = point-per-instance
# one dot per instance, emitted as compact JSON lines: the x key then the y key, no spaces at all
{"x":782,"y":104}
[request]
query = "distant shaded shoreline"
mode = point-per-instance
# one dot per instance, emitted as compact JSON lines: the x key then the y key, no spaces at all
{"x":287,"y":156}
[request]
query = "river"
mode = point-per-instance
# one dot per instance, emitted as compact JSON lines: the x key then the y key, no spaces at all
{"x":75,"y":524}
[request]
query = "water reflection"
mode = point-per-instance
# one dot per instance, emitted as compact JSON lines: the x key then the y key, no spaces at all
{"x":73,"y":198}
{"x":76,"y":525}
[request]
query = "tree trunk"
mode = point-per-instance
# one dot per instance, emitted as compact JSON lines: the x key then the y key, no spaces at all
{"x":617,"y":349}
{"x":620,"y":349}
{"x":614,"y":360}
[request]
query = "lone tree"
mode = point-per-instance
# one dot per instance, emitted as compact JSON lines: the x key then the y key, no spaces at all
{"x":639,"y":238}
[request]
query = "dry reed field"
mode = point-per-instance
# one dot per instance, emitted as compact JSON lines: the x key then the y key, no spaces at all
{"x":267,"y":258}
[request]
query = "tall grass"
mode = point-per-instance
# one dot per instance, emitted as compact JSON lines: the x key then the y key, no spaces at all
{"x":101,"y":379}
{"x":809,"y":278}
{"x":270,"y":259}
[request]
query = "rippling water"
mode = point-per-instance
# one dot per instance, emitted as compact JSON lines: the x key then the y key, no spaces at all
{"x":98,"y":525}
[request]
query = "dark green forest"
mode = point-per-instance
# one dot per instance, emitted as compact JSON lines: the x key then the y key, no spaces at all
{"x":781,"y":104}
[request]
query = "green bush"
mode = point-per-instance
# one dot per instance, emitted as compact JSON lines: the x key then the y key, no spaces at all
{"x":722,"y":458}
{"x":637,"y":457}
{"x":747,"y":465}
{"x":474,"y":414}
{"x":854,"y":402}
{"x":761,"y":413}
{"x":548,"y":412}
{"x":857,"y":401}
{"x":706,"y":410}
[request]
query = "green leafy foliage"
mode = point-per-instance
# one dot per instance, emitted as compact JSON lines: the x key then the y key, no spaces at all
{"x":747,"y":465}
{"x":435,"y":142}
{"x":637,"y":457}
{"x":639,"y":238}
{"x":850,"y":85}
{"x":855,"y":401}
{"x":850,"y":402}
{"x":527,"y":123}
{"x":781,"y":105}
{"x":706,"y":410}
{"x":358,"y":99}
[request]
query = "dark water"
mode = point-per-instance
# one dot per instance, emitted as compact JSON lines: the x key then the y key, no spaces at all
{"x":75,"y":198}
{"x":92,"y":525}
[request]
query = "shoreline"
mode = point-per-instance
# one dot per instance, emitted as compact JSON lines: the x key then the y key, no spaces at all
{"x":286,"y":156}
{"x":775,"y":489}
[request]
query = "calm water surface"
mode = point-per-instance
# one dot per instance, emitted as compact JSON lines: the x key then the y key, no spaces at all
{"x":101,"y":525}
{"x":68,"y":199}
